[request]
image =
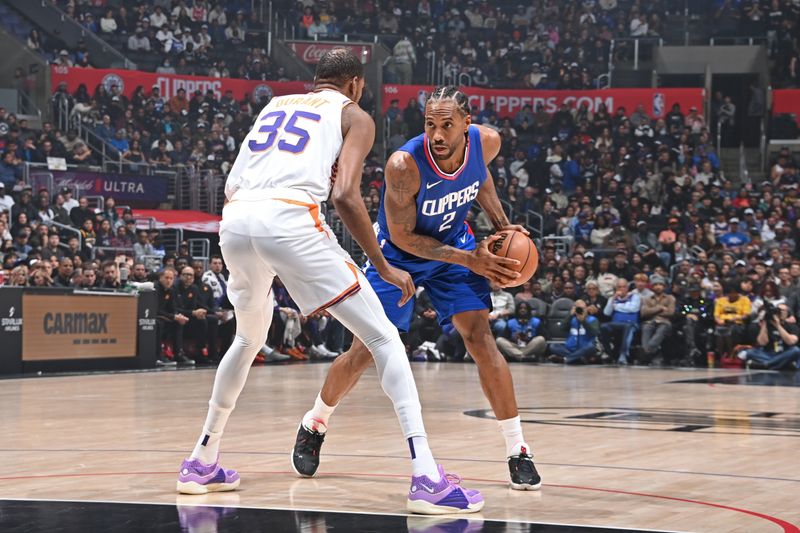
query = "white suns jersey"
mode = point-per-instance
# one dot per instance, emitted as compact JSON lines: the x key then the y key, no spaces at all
{"x":294,"y":144}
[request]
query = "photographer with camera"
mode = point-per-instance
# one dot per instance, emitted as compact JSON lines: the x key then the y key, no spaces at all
{"x":776,"y":340}
{"x":623,"y":308}
{"x":523,"y":343}
{"x":582,"y":339}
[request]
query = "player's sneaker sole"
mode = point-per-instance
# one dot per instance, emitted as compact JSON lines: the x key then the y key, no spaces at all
{"x":196,"y":477}
{"x":525,"y":486}
{"x":192,"y":487}
{"x":423,"y":507}
{"x":445,"y":496}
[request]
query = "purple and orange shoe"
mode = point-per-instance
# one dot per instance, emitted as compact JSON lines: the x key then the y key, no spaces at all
{"x":443,"y":497}
{"x":196,"y":477}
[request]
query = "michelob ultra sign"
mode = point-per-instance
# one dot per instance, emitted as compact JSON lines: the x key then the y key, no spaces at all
{"x":78,"y":326}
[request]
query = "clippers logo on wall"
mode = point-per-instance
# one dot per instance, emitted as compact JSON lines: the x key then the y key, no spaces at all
{"x":170,"y":84}
{"x":78,"y":327}
{"x":507,"y":103}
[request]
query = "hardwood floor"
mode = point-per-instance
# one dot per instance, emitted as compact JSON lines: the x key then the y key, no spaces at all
{"x":616,"y":447}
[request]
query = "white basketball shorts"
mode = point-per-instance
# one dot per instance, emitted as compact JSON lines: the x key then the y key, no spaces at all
{"x":280,"y":232}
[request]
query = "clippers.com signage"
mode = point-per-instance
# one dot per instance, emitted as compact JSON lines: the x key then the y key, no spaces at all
{"x":170,"y":84}
{"x":657,"y":102}
{"x":312,"y":51}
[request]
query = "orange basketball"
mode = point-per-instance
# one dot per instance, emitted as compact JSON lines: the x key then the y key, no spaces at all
{"x":516,"y":245}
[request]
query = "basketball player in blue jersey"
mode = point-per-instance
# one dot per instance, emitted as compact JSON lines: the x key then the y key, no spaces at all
{"x":431,"y":183}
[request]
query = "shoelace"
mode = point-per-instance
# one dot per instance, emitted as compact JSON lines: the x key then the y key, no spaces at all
{"x":525,"y":466}
{"x":455,"y":479}
{"x":311,"y":440}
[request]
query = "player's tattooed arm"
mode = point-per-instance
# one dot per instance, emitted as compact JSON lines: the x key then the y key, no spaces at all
{"x":400,"y":202}
{"x":490,"y":203}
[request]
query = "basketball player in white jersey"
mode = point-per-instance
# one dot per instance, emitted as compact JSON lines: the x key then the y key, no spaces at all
{"x":302,"y":149}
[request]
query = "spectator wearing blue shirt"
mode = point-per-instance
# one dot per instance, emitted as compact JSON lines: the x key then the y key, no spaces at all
{"x":734,"y":238}
{"x":522,"y":342}
{"x":485,"y":116}
{"x":9,"y":171}
{"x":105,"y":130}
{"x":572,"y":176}
{"x":580,"y":346}
{"x":582,"y":229}
{"x":623,"y":308}
{"x":119,"y":142}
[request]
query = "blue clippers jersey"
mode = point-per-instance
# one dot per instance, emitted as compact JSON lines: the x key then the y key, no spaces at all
{"x":443,"y":200}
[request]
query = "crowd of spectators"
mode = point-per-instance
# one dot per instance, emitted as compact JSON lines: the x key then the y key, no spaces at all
{"x":628,"y":194}
{"x":217,"y":39}
{"x":543,"y":44}
{"x":651,"y":238}
{"x":547,"y":44}
{"x":776,"y":21}
{"x":647,"y":224}
{"x":152,"y":130}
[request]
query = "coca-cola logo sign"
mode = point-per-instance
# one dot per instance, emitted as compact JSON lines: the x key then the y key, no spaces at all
{"x":312,"y":52}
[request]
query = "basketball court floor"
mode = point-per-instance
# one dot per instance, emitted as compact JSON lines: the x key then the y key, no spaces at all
{"x":619,"y":449}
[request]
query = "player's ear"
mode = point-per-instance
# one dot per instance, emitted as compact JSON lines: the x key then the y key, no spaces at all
{"x":467,"y":121}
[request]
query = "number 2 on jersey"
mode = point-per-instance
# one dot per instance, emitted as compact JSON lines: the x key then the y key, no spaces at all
{"x":447,"y":221}
{"x":271,"y":129}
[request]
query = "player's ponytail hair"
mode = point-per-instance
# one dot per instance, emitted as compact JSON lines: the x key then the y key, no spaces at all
{"x":451,"y":92}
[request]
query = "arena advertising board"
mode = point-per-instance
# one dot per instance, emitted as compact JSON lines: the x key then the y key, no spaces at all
{"x":68,"y":326}
{"x":123,"y":187}
{"x":169,"y":84}
{"x":657,"y":102}
{"x":312,"y":51}
{"x":786,"y":101}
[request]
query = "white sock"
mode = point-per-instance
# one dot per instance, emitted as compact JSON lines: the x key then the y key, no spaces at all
{"x":251,"y":334}
{"x":512,"y":432}
{"x":422,"y":461}
{"x":207,"y":447}
{"x":317,"y":418}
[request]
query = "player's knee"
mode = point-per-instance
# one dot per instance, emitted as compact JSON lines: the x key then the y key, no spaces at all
{"x":381,"y":337}
{"x":356,"y":359}
{"x":477,"y":338}
{"x":252,"y":328}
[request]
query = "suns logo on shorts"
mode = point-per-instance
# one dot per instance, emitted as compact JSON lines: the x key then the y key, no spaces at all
{"x":262,"y":92}
{"x":112,"y":79}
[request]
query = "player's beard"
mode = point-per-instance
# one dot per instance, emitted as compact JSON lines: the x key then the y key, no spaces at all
{"x":450,"y":152}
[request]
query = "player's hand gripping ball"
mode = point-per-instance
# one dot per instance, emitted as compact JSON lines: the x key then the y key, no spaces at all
{"x":516,"y":245}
